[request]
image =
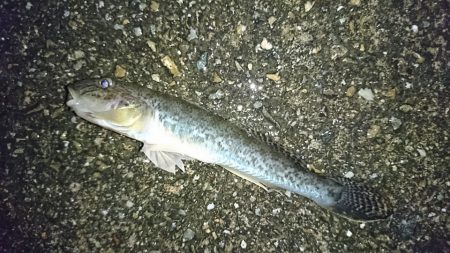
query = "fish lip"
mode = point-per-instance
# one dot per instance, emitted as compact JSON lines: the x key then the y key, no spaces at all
{"x":72,"y":97}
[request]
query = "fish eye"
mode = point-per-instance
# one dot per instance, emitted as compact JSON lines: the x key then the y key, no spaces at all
{"x":105,"y":83}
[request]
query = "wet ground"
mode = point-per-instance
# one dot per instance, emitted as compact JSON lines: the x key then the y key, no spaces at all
{"x":359,"y":88}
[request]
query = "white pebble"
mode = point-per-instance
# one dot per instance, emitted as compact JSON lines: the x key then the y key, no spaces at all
{"x":239,"y":108}
{"x":236,"y":205}
{"x":288,"y":194}
{"x":210,"y":206}
{"x":422,"y":152}
{"x":129,"y":204}
{"x":266,"y":44}
{"x":257,"y":104}
{"x":414,"y":28}
{"x":349,"y":233}
{"x":243,"y":244}
{"x":137,"y":31}
{"x":156,"y":78}
{"x":28,"y":6}
{"x":349,"y":174}
{"x":308,"y":6}
{"x":188,"y":235}
{"x":366,"y":93}
{"x":118,"y":27}
{"x":192,"y":34}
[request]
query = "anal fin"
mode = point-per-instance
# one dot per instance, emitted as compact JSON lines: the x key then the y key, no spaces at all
{"x":253,"y":180}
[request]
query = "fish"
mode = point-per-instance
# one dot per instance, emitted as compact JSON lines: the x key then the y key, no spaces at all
{"x":173,"y":131}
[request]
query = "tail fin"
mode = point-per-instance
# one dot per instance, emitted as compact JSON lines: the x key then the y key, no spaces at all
{"x":360,"y":202}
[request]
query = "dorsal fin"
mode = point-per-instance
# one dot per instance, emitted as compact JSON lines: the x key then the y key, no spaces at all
{"x":277,"y":146}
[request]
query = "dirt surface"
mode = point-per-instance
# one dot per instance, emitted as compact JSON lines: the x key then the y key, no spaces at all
{"x":359,"y":88}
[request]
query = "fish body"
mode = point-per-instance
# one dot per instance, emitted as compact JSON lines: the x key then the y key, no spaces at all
{"x":173,"y":130}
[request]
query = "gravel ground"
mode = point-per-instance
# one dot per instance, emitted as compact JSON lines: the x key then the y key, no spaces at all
{"x":360,"y":88}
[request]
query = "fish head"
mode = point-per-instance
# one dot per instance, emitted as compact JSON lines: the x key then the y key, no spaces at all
{"x":102,"y":102}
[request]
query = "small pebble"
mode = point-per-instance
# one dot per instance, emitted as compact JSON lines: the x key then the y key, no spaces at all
{"x":271,"y":20}
{"x":266,"y":44}
{"x":396,"y":123}
{"x":308,"y":6}
{"x":156,"y":77}
{"x":78,"y":65}
{"x":276,"y":211}
{"x":349,"y":233}
{"x":240,"y":29}
{"x":170,"y":65}
{"x":142,"y":6}
{"x":202,"y":62}
{"x":243,"y":244}
{"x":366,"y":93}
{"x":273,"y":77}
{"x":257,"y":105}
{"x":216,"y":95}
{"x":355,"y":2}
{"x":154,"y":6}
{"x":192,"y":34}
{"x":118,"y":27}
{"x":137,"y":31}
{"x":422,"y":152}
{"x":414,"y":28}
{"x":406,"y":108}
{"x":390,"y":93}
{"x":350,"y":91}
{"x":151,"y":45}
{"x":349,"y":174}
{"x":75,"y":187}
{"x":78,"y":54}
{"x":216,"y":78}
{"x":120,"y":72}
{"x":373,"y":131}
{"x":188,"y":235}
{"x":129,"y":204}
{"x":210,"y":206}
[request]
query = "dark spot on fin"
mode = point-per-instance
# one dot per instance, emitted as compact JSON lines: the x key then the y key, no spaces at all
{"x":278,"y":147}
{"x":360,"y":202}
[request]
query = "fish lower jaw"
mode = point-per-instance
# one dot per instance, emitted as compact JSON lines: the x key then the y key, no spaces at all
{"x":71,"y":103}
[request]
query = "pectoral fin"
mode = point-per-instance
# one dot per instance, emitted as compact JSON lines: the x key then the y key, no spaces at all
{"x":163,"y":159}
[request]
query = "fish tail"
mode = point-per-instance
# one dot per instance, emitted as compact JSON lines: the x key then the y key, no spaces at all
{"x":360,"y":202}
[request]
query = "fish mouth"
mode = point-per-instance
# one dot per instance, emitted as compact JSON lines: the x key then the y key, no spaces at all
{"x":72,"y":97}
